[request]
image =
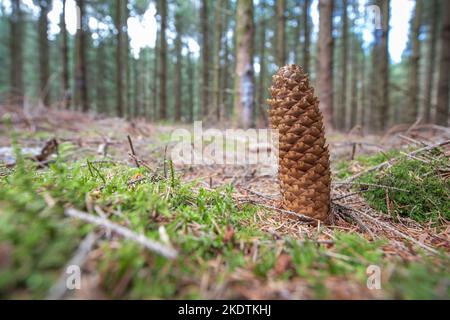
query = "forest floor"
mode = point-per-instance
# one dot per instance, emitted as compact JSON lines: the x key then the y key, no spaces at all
{"x":75,"y":190}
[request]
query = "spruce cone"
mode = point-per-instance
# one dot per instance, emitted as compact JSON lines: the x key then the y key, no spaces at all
{"x":304,"y":162}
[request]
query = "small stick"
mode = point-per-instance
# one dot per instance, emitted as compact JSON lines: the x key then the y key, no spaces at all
{"x":58,"y":290}
{"x":369,"y":185}
{"x":132,"y":151}
{"x":353,"y":151}
{"x":141,"y":239}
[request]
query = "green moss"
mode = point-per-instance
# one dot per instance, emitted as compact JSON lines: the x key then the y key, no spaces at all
{"x":40,"y":240}
{"x":423,"y":280}
{"x":426,"y":196}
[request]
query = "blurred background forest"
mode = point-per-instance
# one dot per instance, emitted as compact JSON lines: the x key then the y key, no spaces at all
{"x":183,"y":60}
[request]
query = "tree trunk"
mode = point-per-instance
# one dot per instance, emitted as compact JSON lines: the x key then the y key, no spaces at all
{"x":119,"y":60}
{"x":205,"y":58}
{"x":354,"y":84}
{"x":281,"y":33}
{"x":155,"y":77}
{"x":298,"y":44}
{"x":102,"y":101}
{"x":444,"y":68}
{"x":431,"y":62}
{"x":163,"y":63}
{"x":325,"y":60}
{"x":341,"y":114}
{"x":65,"y":60}
{"x":384,"y":67}
{"x":262,"y":89}
{"x":178,"y":67}
{"x":44,"y":73}
{"x":227,"y":67}
{"x":380,"y":73}
{"x":81,"y":70}
{"x":217,"y":90}
{"x":128,"y":61}
{"x":191,"y":75}
{"x":306,"y":34}
{"x":244,"y":86}
{"x":16,"y":52}
{"x":137,"y":88}
{"x":413,"y":105}
{"x":362,"y":92}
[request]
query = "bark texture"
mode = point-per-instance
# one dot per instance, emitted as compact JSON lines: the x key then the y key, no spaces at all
{"x":244,"y":78}
{"x":325,"y":59}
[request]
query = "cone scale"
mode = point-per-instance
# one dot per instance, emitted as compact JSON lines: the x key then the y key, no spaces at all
{"x":304,"y":161}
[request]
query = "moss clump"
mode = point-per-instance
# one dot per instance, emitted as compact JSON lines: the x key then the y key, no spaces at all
{"x":426,"y":196}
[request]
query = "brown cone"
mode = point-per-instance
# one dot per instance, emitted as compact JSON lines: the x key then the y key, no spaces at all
{"x":304,"y":161}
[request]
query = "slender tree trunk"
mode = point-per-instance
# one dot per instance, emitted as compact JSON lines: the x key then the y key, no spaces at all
{"x":354,"y":84}
{"x":205,"y":58}
{"x":217,"y":90}
{"x":281,"y":33}
{"x":306,"y":35}
{"x":362,"y":91}
{"x":431,"y":62}
{"x":227,"y":67}
{"x":65,"y":60}
{"x":262,"y":89}
{"x":325,"y":60}
{"x":178,"y":67}
{"x":155,"y":92}
{"x":244,"y":84}
{"x":16,"y":52}
{"x":355,"y":69}
{"x":191,"y":74}
{"x":128,"y":63}
{"x":298,"y":44}
{"x":444,"y":68}
{"x":138,"y":88}
{"x":155,"y":82}
{"x":163,"y":63}
{"x":374,"y":83}
{"x":341,"y":112}
{"x":384,"y":67}
{"x":44,"y":73}
{"x":413,"y":105}
{"x":145,"y":84}
{"x":102,"y":101}
{"x":119,"y":60}
{"x":380,"y":73}
{"x":81,"y":70}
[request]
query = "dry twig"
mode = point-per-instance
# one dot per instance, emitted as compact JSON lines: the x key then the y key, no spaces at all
{"x":154,"y":246}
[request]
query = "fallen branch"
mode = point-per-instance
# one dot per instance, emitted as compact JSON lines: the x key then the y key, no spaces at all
{"x":381,"y":186}
{"x":132,"y":151}
{"x":141,"y":239}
